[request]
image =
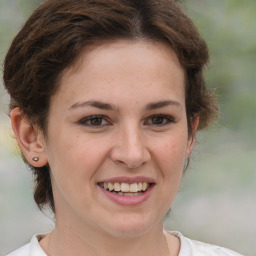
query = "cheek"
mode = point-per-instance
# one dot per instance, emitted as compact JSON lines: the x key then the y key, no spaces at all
{"x":77,"y":155}
{"x":171,"y":151}
{"x":170,"y":157}
{"x":73,"y":164}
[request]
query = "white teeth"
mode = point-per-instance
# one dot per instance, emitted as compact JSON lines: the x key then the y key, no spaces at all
{"x":128,"y":194}
{"x":139,"y":186}
{"x":116,"y":186}
{"x":125,"y":188}
{"x":110,"y":186}
{"x":144,"y":186}
{"x":134,"y":187}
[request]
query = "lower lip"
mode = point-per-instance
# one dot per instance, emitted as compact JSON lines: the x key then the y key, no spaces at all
{"x":128,"y":200}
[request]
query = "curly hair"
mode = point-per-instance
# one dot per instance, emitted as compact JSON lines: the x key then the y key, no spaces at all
{"x":58,"y":31}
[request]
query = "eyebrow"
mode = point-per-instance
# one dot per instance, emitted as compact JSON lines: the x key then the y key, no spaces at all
{"x":107,"y":106}
{"x":162,"y":104}
{"x":95,"y":104}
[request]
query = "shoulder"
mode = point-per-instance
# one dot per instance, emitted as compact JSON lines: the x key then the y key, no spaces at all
{"x":208,"y":249}
{"x":31,"y":249}
{"x":191,"y":247}
{"x":24,"y":250}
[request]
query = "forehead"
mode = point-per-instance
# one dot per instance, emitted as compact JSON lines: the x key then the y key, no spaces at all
{"x":124,"y":66}
{"x":105,"y":53}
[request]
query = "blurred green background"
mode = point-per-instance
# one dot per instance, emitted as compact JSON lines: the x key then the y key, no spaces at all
{"x":217,"y":198}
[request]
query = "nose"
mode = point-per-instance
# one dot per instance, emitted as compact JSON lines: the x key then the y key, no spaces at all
{"x":129,"y":148}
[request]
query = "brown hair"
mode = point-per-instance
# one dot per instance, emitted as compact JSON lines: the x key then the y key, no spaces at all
{"x":58,"y":31}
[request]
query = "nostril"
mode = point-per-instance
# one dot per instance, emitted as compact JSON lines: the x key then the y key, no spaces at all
{"x":120,"y":162}
{"x":132,"y":163}
{"x":130,"y":155}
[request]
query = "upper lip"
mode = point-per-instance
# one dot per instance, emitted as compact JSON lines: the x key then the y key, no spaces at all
{"x":129,"y":180}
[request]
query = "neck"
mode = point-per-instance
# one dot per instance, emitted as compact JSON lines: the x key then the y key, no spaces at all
{"x":90,"y":242}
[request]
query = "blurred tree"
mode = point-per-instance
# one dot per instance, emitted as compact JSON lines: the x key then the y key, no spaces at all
{"x":13,"y":13}
{"x":27,"y":6}
{"x":228,"y":26}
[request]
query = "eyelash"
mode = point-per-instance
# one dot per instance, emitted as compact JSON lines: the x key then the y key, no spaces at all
{"x":85,"y":121}
{"x":166,"y":119}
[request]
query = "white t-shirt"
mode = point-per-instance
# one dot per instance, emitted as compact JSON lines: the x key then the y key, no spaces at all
{"x":188,"y":248}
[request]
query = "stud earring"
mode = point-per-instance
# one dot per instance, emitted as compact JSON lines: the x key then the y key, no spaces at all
{"x":35,"y":159}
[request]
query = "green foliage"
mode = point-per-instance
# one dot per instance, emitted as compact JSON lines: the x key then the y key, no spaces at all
{"x":228,"y":26}
{"x":13,"y":14}
{"x":27,"y":6}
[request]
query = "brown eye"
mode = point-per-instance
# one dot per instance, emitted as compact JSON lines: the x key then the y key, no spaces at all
{"x":157,"y":120}
{"x":94,"y":121}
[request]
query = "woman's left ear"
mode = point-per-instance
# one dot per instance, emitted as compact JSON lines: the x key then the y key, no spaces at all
{"x":29,"y":137}
{"x":192,"y":136}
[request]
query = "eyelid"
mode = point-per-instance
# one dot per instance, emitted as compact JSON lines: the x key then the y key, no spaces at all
{"x":170,"y":119}
{"x":83,"y":121}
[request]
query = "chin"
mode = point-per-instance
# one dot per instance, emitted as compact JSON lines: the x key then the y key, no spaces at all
{"x":131,"y":225}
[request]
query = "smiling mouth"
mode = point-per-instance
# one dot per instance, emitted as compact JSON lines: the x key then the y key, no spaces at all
{"x":125,"y":189}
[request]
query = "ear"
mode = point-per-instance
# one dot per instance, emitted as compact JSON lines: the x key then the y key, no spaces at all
{"x":30,"y":138}
{"x":192,"y":136}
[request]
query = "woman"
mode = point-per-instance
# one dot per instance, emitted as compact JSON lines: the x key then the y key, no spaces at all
{"x":106,"y":99}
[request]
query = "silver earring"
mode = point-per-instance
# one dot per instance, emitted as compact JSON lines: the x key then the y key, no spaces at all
{"x":35,"y":159}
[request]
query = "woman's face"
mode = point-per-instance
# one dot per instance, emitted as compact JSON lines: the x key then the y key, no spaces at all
{"x":118,"y":122}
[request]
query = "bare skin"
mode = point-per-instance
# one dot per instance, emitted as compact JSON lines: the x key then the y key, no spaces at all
{"x":119,"y":114}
